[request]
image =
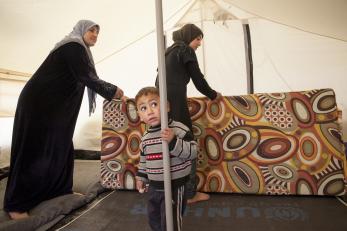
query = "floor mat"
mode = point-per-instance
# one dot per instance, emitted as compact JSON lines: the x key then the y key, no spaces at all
{"x":126,"y":210}
{"x":50,"y":212}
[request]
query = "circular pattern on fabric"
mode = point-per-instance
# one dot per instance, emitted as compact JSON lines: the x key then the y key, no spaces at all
{"x":198,"y":130}
{"x":319,"y":166}
{"x":114,"y":166}
{"x":197,"y":108}
{"x":134,"y":119}
{"x":278,"y":116}
{"x":276,"y":189}
{"x":201,"y":180}
{"x":129,"y":180}
{"x":324,"y":102}
{"x":244,"y":178}
{"x":245,"y":107}
{"x":112,"y":144}
{"x":302,"y":110}
{"x":310,"y":149}
{"x":109,"y":171}
{"x":240,"y":142}
{"x":110,"y":183}
{"x":215,"y":113}
{"x":113,"y":116}
{"x":212,"y":144}
{"x":215,"y":181}
{"x":133,"y":144}
{"x":283,"y":172}
{"x":332,"y":184}
{"x":106,"y":171}
{"x":127,"y":177}
{"x":304,"y":185}
{"x":274,"y":147}
{"x":332,"y":137}
{"x":202,"y":159}
{"x":324,"y":105}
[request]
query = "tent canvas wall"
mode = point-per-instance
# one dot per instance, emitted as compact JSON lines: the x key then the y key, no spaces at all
{"x":11,"y":83}
{"x":291,"y":51}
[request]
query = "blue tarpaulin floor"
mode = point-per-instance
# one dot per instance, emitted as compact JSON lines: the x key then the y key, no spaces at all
{"x":101,"y":210}
{"x":126,"y":210}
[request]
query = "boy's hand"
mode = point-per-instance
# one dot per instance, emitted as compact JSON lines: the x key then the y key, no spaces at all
{"x":140,"y":186}
{"x":167,"y":134}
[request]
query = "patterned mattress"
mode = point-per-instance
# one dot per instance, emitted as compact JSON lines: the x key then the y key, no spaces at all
{"x":273,"y":143}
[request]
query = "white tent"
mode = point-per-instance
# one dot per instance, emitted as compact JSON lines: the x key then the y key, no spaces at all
{"x":296,"y":45}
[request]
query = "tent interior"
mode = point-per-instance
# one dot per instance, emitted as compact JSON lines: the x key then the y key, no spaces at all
{"x":295,"y":45}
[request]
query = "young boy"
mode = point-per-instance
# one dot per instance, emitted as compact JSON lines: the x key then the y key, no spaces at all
{"x":182,"y":150}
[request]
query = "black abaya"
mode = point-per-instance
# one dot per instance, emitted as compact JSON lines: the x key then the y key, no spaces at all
{"x":181,"y":66}
{"x":41,"y":164}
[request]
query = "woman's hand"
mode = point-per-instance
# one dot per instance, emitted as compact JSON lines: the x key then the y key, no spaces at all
{"x":167,"y":134}
{"x":119,"y":94}
{"x":218,"y":97}
{"x":124,"y":98}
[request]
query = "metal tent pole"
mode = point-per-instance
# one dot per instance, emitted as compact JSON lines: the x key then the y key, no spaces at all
{"x":248,"y":56}
{"x":163,"y":112}
{"x":203,"y":44}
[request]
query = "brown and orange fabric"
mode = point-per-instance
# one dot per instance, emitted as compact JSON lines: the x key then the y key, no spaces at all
{"x":273,"y":143}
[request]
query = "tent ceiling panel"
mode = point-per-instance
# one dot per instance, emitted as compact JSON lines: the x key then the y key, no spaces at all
{"x":204,"y":10}
{"x":326,"y":18}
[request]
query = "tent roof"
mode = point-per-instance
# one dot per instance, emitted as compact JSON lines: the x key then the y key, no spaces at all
{"x":205,"y":10}
{"x":122,"y":21}
{"x":326,"y":18}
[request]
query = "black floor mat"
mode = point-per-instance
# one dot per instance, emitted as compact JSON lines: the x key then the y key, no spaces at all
{"x":126,"y":210}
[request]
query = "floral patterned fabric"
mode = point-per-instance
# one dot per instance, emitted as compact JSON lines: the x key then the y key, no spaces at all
{"x":277,"y":143}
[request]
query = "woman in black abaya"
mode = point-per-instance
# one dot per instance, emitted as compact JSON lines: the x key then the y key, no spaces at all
{"x":42,"y":159}
{"x":182,"y":65}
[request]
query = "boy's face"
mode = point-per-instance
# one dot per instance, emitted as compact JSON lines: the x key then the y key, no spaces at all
{"x":148,"y":108}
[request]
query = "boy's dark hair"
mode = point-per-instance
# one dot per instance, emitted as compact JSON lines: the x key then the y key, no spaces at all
{"x":146,"y":91}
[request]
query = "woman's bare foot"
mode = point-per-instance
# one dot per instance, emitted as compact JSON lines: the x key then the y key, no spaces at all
{"x":18,"y":215}
{"x":199,"y":196}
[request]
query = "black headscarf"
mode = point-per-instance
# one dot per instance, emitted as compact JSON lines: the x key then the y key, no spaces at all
{"x":187,"y":33}
{"x":182,"y":39}
{"x":184,"y":36}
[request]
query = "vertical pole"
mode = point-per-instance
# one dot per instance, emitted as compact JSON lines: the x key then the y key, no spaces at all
{"x":163,"y":113}
{"x":203,"y":44}
{"x":248,"y":56}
